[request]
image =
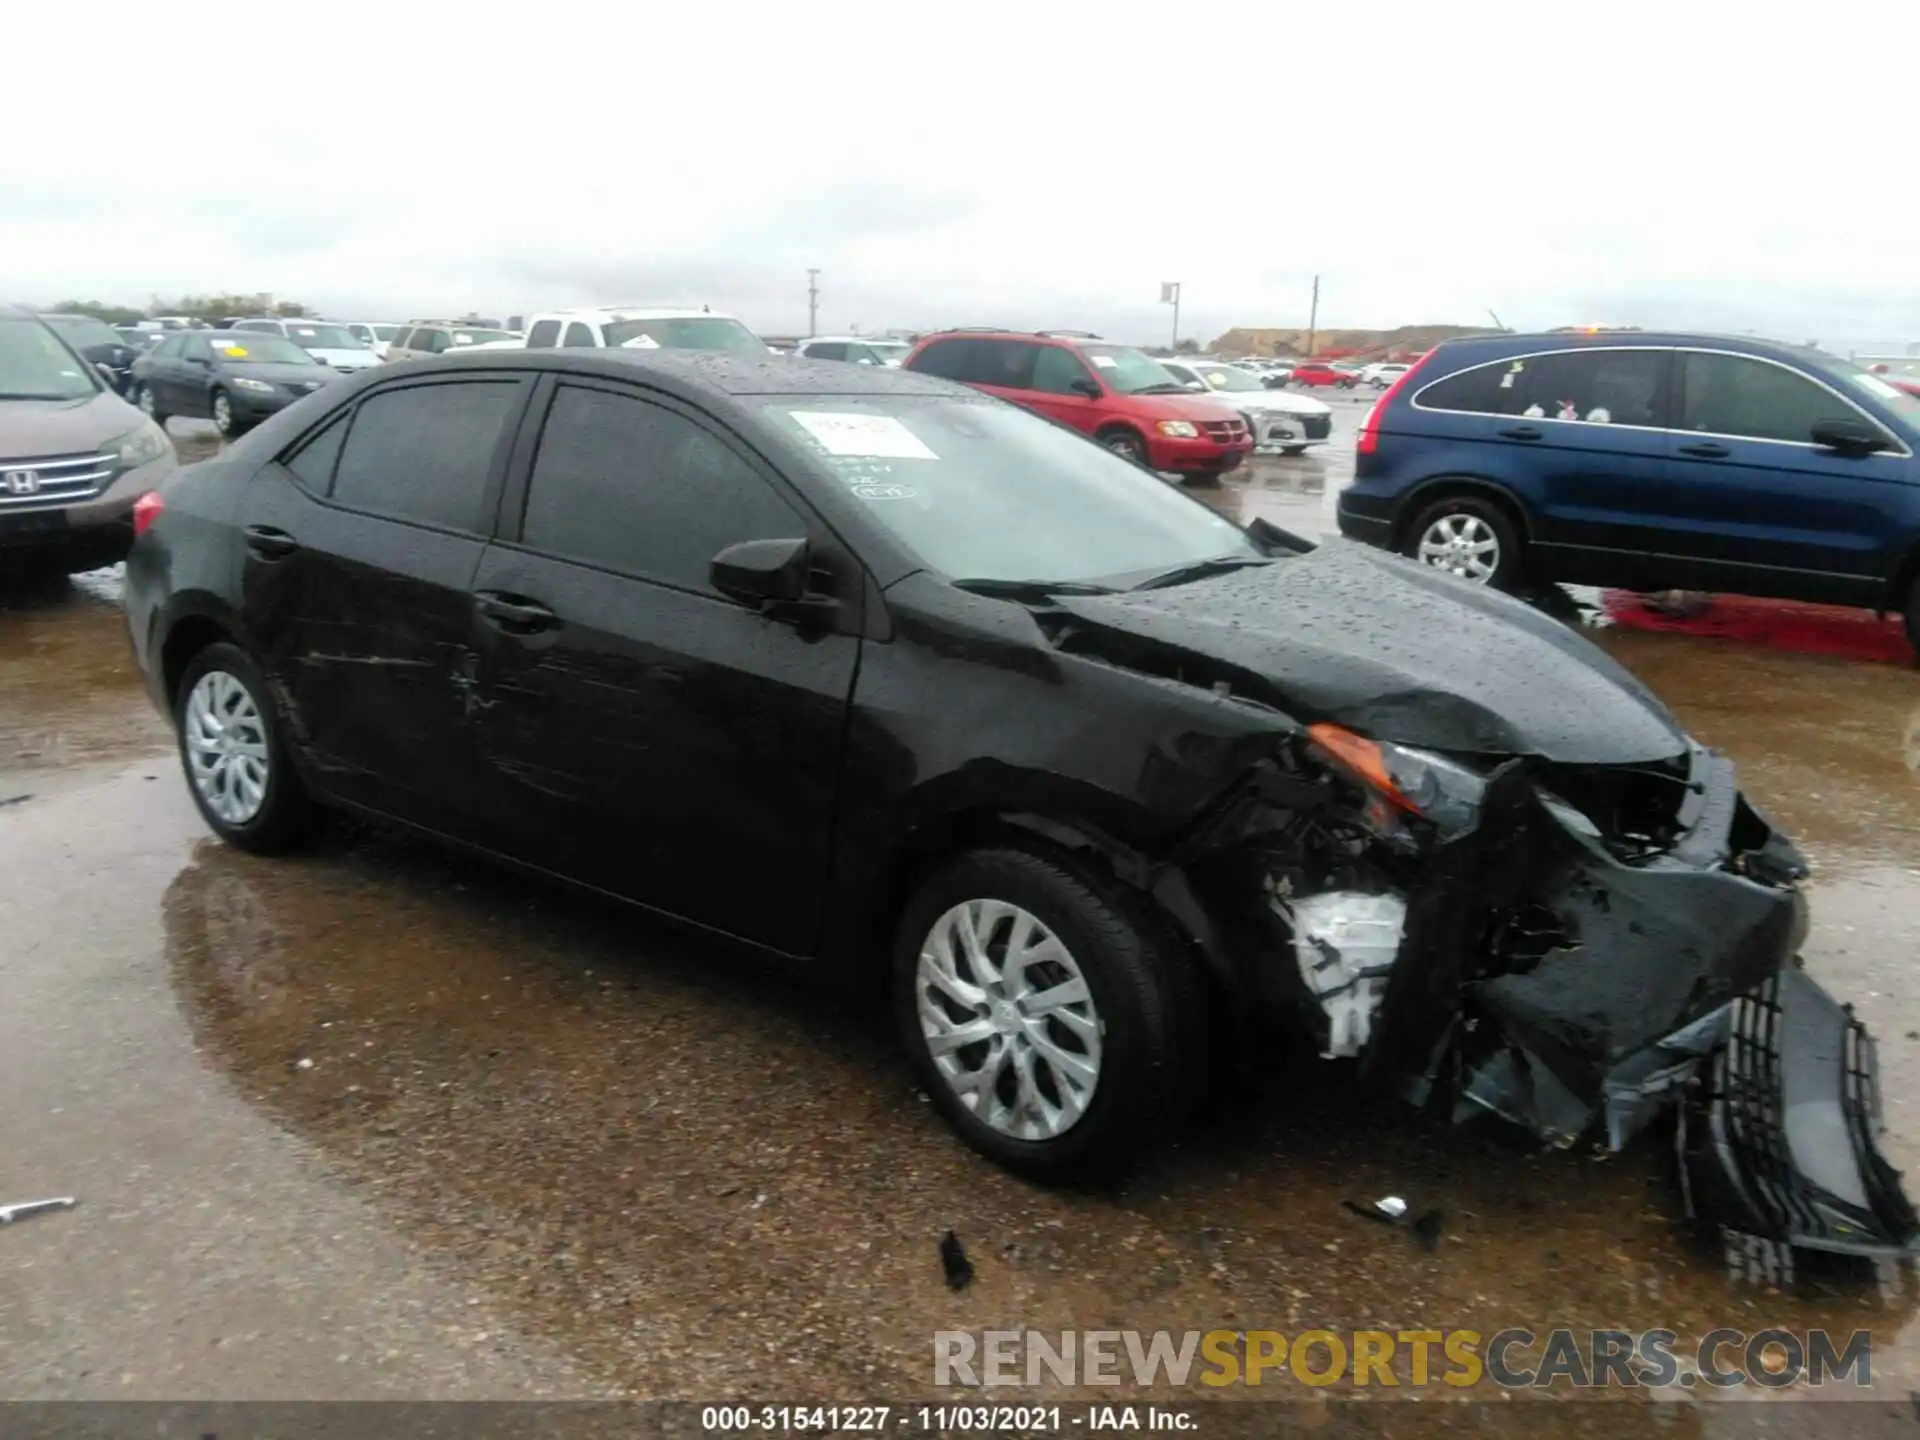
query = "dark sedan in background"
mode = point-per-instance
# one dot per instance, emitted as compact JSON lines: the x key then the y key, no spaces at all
{"x":235,"y":380}
{"x":100,"y":345}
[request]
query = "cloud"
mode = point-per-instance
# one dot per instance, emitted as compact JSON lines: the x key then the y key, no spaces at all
{"x":1012,"y":164}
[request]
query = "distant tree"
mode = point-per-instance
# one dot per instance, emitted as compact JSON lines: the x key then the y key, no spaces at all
{"x":218,"y":307}
{"x":291,"y":310}
{"x":112,"y":314}
{"x":1187,"y":347}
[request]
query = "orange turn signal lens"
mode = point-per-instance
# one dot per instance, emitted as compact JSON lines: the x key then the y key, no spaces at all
{"x":1362,"y":757}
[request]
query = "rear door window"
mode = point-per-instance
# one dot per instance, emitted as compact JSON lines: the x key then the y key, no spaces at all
{"x":1007,"y":363}
{"x":578,"y":336}
{"x":312,"y":464}
{"x":949,"y":359}
{"x":423,"y":452}
{"x":544,"y":335}
{"x":626,"y":485}
{"x":826,"y":350}
{"x":1598,"y":387}
{"x":1753,"y":399}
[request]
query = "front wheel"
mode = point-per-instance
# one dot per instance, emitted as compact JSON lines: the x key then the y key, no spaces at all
{"x":223,"y":417}
{"x":1045,"y":1012}
{"x":1127,"y":445}
{"x":1293,"y":449}
{"x":1468,"y":537}
{"x":235,"y":761}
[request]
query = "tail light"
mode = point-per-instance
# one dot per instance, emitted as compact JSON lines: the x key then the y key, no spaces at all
{"x":146,"y":510}
{"x":1369,"y":440}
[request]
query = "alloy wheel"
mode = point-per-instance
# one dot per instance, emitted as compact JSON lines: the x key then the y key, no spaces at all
{"x":223,"y":414}
{"x":145,"y":400}
{"x":1461,"y":544}
{"x":1008,"y":1019}
{"x":226,"y":743}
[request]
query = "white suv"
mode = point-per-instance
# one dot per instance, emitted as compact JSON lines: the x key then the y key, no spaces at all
{"x":857,"y":349}
{"x":643,"y":327}
{"x":327,"y":342}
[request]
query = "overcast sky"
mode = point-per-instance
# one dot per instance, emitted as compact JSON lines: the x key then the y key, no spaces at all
{"x":1689,"y":164}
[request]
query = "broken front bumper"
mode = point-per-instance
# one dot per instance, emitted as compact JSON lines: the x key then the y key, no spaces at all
{"x":1545,"y":980}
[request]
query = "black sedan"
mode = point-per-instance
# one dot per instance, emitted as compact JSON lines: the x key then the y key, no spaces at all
{"x":869,"y":672}
{"x":100,"y":345}
{"x":235,"y":380}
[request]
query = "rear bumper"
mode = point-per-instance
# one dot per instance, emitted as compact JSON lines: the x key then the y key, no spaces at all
{"x":1366,"y":518}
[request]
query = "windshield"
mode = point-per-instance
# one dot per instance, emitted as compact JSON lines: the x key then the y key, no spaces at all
{"x":246,"y":347}
{"x":1225,"y":377}
{"x":1130,"y":371}
{"x":692,"y":332}
{"x":83,"y":330}
{"x":34,"y":365}
{"x":480,"y":337}
{"x":980,"y":490}
{"x":1864,"y":382}
{"x":323,"y":337}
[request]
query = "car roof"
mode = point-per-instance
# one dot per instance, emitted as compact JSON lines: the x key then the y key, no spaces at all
{"x":633,"y":312}
{"x":712,"y":373}
{"x":1512,"y":342}
{"x":854,"y":340}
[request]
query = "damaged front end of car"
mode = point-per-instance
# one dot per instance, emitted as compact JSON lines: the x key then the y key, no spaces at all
{"x":1576,"y":949}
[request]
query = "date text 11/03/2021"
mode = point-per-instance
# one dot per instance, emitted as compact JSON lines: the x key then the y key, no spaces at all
{"x":942,"y":1419}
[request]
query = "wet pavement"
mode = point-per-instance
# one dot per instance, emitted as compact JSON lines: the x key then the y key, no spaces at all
{"x":378,"y":1121}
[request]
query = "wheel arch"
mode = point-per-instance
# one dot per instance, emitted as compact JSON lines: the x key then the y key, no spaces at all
{"x":185,"y":634}
{"x":1447,"y":486}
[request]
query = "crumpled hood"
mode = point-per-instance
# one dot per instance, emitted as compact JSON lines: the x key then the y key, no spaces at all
{"x":34,"y":429}
{"x":1392,"y":649}
{"x":1278,"y":402}
{"x":359,"y":358}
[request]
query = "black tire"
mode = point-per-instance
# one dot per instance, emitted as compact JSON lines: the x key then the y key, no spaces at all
{"x":143,"y":399}
{"x":1467,"y":510}
{"x":1144,"y":992}
{"x":1293,"y":449}
{"x":230,"y":427}
{"x":285,"y":814}
{"x":1126,"y":444}
{"x":1205,"y":479}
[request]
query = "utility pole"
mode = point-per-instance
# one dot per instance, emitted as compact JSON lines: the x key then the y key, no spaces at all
{"x":813,"y":303}
{"x":1313,"y":318}
{"x":1170,"y":295}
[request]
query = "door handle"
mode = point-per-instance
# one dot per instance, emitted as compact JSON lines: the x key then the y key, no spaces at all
{"x":513,"y":614}
{"x":1521,"y":432}
{"x":1706,"y":450}
{"x":270,"y":543}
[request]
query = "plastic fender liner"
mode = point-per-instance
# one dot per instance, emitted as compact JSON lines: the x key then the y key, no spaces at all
{"x":1780,"y":1141}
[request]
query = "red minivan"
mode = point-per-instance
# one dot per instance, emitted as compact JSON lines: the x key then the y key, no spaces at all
{"x":1118,"y":395}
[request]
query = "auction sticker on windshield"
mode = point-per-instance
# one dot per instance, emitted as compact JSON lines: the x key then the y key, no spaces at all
{"x":841,"y":434}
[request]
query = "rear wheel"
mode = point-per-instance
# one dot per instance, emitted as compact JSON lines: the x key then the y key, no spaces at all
{"x":1469,"y":537}
{"x":1045,"y":1013}
{"x":1293,"y":449}
{"x":143,"y":397}
{"x":235,"y":761}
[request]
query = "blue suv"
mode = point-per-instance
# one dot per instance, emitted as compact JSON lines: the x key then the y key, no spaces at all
{"x":1648,"y":462}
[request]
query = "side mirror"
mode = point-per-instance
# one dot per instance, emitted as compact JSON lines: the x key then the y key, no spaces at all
{"x":1849,"y":437}
{"x":762,"y":572}
{"x":1088,"y":388}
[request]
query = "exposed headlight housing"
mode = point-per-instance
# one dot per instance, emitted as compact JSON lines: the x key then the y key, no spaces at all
{"x":1180,"y":429}
{"x":259,"y":387}
{"x":142,"y":445}
{"x":1401,"y":780}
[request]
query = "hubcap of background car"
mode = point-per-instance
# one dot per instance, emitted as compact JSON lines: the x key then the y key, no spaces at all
{"x":1462,"y":545}
{"x":146,"y":399}
{"x":226,"y":744}
{"x":1121,"y":446}
{"x":1008,"y":1019}
{"x":222,"y":413}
